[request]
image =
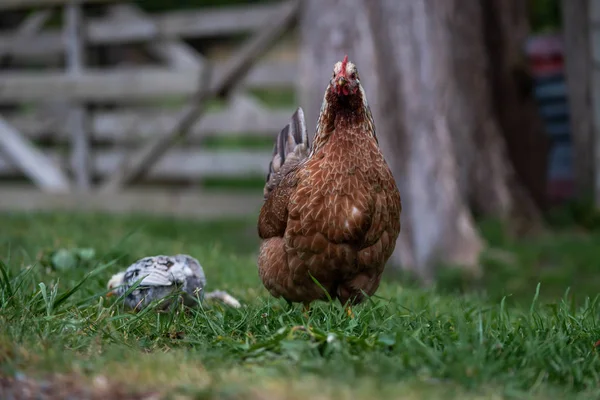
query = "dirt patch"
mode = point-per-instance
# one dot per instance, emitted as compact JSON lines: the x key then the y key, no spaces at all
{"x":59,"y":387}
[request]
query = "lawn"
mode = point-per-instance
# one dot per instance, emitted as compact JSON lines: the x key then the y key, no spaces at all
{"x":504,"y":337}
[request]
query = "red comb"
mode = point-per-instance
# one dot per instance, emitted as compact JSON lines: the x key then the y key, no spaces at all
{"x":344,"y":62}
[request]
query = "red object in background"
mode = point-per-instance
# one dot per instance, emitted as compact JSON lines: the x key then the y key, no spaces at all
{"x":545,"y":53}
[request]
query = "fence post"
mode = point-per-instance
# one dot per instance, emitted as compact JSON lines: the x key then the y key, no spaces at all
{"x":80,"y":147}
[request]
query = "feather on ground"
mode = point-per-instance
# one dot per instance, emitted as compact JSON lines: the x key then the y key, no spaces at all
{"x":160,"y":276}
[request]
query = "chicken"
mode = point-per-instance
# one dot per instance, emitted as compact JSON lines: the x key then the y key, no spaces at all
{"x":332,"y":209}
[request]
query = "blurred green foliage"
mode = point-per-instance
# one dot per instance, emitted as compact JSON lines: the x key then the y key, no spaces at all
{"x":545,"y":15}
{"x":581,"y":213}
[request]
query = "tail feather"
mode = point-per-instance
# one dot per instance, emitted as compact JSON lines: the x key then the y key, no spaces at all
{"x":291,"y":147}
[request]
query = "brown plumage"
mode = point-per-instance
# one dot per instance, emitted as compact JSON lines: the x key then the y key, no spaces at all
{"x":333,"y":213}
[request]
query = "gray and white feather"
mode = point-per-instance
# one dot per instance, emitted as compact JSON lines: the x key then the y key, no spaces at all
{"x":160,"y":276}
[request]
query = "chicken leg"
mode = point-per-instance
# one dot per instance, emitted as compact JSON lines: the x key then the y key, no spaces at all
{"x":349,"y":311}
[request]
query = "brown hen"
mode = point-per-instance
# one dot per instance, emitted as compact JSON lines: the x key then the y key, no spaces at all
{"x":331,"y":211}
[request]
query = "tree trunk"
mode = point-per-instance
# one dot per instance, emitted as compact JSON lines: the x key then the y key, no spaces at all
{"x":488,"y":178}
{"x":418,"y":31}
{"x":576,"y":28}
{"x":485,"y":172}
{"x":505,"y":30}
{"x":329,"y":30}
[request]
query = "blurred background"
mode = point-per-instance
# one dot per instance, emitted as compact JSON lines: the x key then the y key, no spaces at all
{"x":487,"y":112}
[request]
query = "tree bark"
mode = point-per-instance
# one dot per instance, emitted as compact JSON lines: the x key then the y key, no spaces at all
{"x":485,"y":171}
{"x":576,"y":28}
{"x":488,"y":178}
{"x":443,"y":230}
{"x":329,"y":30}
{"x":505,"y":30}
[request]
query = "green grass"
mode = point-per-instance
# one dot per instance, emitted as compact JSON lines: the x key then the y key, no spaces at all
{"x":405,"y":342}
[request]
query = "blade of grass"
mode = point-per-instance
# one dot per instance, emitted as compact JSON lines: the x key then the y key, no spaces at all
{"x":535,"y":298}
{"x":6,"y":284}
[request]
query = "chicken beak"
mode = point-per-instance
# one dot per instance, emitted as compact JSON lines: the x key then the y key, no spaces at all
{"x":341,"y":81}
{"x":110,"y":294}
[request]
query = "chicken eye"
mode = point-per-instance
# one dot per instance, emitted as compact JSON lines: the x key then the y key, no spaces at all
{"x":353,"y":75}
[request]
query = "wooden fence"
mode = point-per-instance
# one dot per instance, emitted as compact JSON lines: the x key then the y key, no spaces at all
{"x":80,"y":154}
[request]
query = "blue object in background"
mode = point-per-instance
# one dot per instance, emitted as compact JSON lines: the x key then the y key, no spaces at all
{"x":545,"y":54}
